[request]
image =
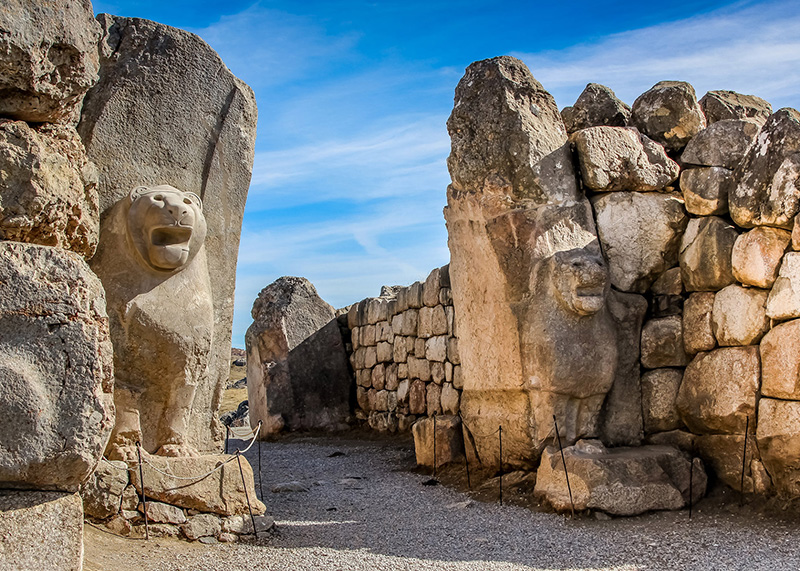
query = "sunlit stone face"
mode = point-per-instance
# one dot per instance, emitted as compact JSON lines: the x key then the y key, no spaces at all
{"x":581,"y":281}
{"x":166,"y":226}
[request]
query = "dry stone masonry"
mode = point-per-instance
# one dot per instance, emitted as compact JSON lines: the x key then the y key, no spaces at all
{"x":405,"y":354}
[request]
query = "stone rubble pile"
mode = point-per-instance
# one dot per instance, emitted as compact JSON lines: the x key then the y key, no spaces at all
{"x":405,"y":354}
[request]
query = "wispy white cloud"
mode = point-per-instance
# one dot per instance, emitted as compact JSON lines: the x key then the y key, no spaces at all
{"x":752,"y":49}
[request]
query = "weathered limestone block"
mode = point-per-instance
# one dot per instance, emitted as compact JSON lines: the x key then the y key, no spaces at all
{"x":41,"y":530}
{"x":621,"y":423}
{"x":384,"y":352}
{"x":449,"y":440}
{"x":722,"y":144}
{"x":668,"y":283}
{"x":160,"y":512}
{"x":201,"y":525}
{"x":768,"y":190}
{"x":433,"y":399}
{"x":498,"y":100}
{"x":48,"y":193}
{"x":102,"y":492}
{"x":784,"y":298}
{"x":722,"y":453}
{"x":409,"y":323}
{"x":680,"y":439}
{"x":705,"y":190}
{"x":698,"y":334}
{"x":377,"y":310}
{"x":166,"y":110}
{"x":705,"y":254}
{"x":619,"y":481}
{"x":757,"y":255}
{"x":659,"y":393}
{"x":596,"y":105}
{"x":378,"y":376}
{"x":419,"y":369}
{"x":436,"y":348}
{"x":739,"y":315}
{"x":452,"y":351}
{"x":391,"y":376}
{"x":451,"y":398}
{"x":780,"y":361}
{"x":621,"y":158}
{"x":669,"y":114}
{"x":719,"y":390}
{"x":48,"y":58}
{"x":221,"y":492}
{"x":431,"y":289}
{"x":640,"y":233}
{"x":297,"y":374}
{"x":419,"y":348}
{"x":417,"y":403}
{"x":662,"y":343}
{"x":53,"y":334}
{"x":778,"y":437}
{"x":383,"y":332}
{"x":437,"y":372}
{"x":432,"y":321}
{"x":721,"y":105}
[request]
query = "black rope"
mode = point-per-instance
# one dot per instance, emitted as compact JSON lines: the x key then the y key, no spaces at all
{"x":144,"y":498}
{"x":246,"y":495}
{"x":564,"y":462}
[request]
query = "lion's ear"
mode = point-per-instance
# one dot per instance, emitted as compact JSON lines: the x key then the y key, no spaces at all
{"x":196,"y":199}
{"x":137,"y":192}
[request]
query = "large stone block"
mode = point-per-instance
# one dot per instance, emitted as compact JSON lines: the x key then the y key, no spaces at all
{"x":166,"y":111}
{"x":596,"y":105}
{"x":449,"y":441}
{"x":719,"y":390}
{"x":659,"y":393}
{"x":721,"y":105}
{"x":297,"y":374}
{"x":662,"y":343}
{"x":722,"y":453}
{"x":757,"y":255}
{"x":705,"y":254}
{"x":41,"y":530}
{"x":698,"y":334}
{"x":498,"y":100}
{"x":56,"y":368}
{"x":739,"y":315}
{"x":669,"y":114}
{"x":102,"y":492}
{"x":48,"y":58}
{"x":705,"y":190}
{"x":778,"y":437}
{"x":722,"y":144}
{"x":199,"y":483}
{"x":620,"y":158}
{"x":48,"y":193}
{"x":780,"y":361}
{"x":619,"y":481}
{"x":640,"y":233}
{"x":784,"y":298}
{"x":767,"y":191}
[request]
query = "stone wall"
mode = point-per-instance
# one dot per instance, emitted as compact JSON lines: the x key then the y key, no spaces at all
{"x":404,"y":354}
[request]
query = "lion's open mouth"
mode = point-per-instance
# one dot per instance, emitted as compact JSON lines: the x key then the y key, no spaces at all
{"x":170,"y":235}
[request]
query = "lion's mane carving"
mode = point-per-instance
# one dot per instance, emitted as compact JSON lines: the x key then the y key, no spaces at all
{"x":152,"y":262}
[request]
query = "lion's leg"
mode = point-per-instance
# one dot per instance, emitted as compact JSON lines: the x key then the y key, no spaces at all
{"x":175,"y":423}
{"x":127,"y":426}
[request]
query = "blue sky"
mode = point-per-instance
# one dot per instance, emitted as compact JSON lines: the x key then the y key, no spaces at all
{"x":349,"y":179}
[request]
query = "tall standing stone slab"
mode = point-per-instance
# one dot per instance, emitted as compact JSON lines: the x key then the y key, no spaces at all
{"x":166,"y":111}
{"x":297,"y":373}
{"x":56,"y":368}
{"x":48,"y":58}
{"x":513,"y":203}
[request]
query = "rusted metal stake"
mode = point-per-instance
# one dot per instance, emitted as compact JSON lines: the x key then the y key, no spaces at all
{"x":564,"y":462}
{"x":246,"y":495}
{"x":744,"y":461}
{"x":227,"y":437}
{"x":500,"y":431}
{"x":260,"y":484}
{"x":144,"y":498}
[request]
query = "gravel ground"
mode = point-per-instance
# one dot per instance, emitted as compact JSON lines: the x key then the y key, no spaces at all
{"x":366,"y":509}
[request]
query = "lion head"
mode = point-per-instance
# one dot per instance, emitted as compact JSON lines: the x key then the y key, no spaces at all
{"x":166,"y":226}
{"x":580,"y":280}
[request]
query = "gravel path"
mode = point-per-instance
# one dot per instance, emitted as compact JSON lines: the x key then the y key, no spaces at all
{"x":364,"y":510}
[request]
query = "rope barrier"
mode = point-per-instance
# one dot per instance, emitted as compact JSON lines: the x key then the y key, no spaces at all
{"x":145,"y":460}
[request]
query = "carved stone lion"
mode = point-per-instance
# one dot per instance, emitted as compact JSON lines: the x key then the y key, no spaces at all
{"x":152,"y":262}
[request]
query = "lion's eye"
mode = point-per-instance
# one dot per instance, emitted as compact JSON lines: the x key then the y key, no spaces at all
{"x":158,"y":197}
{"x":187,"y":201}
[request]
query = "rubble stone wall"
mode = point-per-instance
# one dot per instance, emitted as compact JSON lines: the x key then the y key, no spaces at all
{"x":404,"y":354}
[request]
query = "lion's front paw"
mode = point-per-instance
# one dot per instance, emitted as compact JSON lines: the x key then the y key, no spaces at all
{"x":177,"y":451}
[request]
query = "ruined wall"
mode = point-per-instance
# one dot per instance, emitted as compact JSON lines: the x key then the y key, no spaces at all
{"x":404,"y":354}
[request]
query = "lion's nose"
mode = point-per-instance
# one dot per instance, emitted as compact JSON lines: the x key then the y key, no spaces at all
{"x":177,"y":209}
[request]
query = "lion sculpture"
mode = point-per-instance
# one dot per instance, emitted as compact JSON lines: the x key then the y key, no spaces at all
{"x":152,"y":262}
